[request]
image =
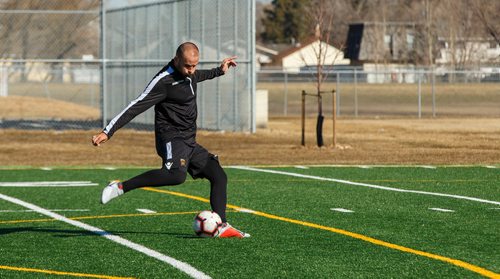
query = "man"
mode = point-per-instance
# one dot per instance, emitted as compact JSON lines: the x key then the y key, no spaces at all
{"x":173,"y":93}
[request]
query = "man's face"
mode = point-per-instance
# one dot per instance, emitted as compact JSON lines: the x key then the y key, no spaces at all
{"x":186,"y":64}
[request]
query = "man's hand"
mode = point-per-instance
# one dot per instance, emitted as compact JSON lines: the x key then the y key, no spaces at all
{"x":99,"y":138}
{"x":227,"y":63}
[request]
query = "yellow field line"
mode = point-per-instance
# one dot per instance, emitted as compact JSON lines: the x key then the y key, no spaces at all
{"x":61,"y":272}
{"x":27,"y":221}
{"x":100,"y":217}
{"x":455,"y":262}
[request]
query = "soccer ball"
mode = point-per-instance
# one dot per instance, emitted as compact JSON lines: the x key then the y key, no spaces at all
{"x":207,"y":224}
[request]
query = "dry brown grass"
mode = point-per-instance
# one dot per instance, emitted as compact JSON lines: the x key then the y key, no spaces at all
{"x":23,"y":107}
{"x":362,"y":141}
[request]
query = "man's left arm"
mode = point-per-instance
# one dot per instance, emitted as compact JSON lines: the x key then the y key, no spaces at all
{"x":201,"y":75}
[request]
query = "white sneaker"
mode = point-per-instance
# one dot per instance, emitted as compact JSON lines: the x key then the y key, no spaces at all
{"x":113,"y":190}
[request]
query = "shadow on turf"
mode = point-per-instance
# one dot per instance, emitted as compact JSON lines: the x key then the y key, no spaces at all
{"x":74,"y":233}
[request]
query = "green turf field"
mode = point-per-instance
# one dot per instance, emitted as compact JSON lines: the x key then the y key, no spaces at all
{"x":311,"y":222}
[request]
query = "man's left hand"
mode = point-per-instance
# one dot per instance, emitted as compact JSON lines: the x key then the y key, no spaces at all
{"x":227,"y":63}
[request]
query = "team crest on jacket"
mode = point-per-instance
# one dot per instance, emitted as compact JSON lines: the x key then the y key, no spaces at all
{"x":183,"y":163}
{"x":168,"y":165}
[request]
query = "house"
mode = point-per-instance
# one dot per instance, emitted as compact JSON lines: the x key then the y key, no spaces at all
{"x":383,"y":42}
{"x":403,"y":43}
{"x":306,"y":53}
{"x":390,"y":48}
{"x":467,"y":52}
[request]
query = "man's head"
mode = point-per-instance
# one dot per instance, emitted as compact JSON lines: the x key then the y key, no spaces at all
{"x":186,"y":58}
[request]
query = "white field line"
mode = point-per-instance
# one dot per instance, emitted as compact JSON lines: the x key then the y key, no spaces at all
{"x":182,"y":266}
{"x":367,"y":185}
{"x":143,"y":210}
{"x":48,"y":184}
{"x":343,"y":210}
{"x":358,"y":166}
{"x":302,"y":167}
{"x":428,"y":167}
{"x":53,"y":210}
{"x":371,"y":166}
{"x":441,"y":209}
{"x":246,"y":210}
{"x":364,"y":167}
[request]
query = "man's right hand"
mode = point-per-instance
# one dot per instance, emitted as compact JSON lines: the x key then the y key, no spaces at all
{"x":99,"y":138}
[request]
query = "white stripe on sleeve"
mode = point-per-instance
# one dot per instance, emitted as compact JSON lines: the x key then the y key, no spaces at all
{"x":148,"y":89}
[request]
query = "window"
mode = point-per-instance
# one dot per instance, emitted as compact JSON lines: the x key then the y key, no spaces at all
{"x":388,"y":43}
{"x":410,"y":39}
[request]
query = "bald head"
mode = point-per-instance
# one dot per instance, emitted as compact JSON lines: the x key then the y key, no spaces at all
{"x":186,"y":58}
{"x":187,"y":47}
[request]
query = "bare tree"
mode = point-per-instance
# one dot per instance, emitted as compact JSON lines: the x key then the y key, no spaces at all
{"x":487,"y":12}
{"x":429,"y":31}
{"x":460,"y":31}
{"x":321,"y":14}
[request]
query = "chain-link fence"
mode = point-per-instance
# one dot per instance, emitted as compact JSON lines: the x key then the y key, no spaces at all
{"x":140,"y":39}
{"x":54,"y":55}
{"x":49,"y":69}
{"x":409,"y":93}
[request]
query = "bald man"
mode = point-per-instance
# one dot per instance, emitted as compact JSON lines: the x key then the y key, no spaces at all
{"x":172,"y":92}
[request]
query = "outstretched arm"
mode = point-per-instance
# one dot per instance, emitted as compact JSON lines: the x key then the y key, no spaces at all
{"x":153,"y":94}
{"x":201,"y":75}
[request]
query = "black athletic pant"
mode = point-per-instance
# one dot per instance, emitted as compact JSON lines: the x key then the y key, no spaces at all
{"x":164,"y":177}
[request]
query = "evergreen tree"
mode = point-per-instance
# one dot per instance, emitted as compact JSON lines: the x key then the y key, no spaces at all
{"x":285,"y":22}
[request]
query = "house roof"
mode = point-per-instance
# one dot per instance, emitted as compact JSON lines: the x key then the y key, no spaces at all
{"x":278,"y":58}
{"x":265,"y":50}
{"x":291,"y":50}
{"x":386,"y":23}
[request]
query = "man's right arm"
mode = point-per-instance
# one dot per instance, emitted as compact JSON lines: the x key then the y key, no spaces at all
{"x":153,"y":94}
{"x":136,"y":107}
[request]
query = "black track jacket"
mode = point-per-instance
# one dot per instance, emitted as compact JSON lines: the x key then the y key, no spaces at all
{"x":174,"y":98}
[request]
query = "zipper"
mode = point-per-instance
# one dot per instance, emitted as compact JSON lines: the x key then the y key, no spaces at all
{"x":190,"y":85}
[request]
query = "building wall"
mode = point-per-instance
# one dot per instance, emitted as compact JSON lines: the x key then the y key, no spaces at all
{"x":308,"y":56}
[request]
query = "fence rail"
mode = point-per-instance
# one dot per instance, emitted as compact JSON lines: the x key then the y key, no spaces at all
{"x":82,"y":62}
{"x":402,"y":93}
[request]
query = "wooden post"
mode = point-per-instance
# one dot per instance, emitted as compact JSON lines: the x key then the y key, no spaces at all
{"x":334,"y":117}
{"x":303,"y":117}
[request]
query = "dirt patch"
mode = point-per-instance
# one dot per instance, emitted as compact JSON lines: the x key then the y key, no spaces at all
{"x":361,"y":141}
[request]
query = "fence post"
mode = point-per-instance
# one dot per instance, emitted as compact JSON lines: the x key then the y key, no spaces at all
{"x":355,"y":93}
{"x":334,"y":118}
{"x":285,"y":109}
{"x":420,"y":94}
{"x":104,"y":91}
{"x":4,"y":82}
{"x":303,"y":142}
{"x":217,"y":82}
{"x":433,"y":77}
{"x":338,"y":94}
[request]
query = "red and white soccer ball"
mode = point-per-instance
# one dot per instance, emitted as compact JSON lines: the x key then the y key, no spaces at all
{"x":207,"y":224}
